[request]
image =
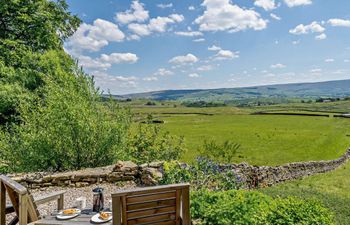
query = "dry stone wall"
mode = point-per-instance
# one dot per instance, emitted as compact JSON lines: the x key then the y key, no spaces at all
{"x":150,"y":174}
{"x":262,"y":176}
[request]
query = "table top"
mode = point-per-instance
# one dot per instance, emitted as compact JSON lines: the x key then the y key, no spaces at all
{"x":83,"y":219}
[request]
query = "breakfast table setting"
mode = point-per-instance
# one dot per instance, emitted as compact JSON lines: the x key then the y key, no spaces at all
{"x":79,"y":214}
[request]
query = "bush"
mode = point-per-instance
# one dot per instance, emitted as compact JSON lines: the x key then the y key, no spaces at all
{"x":149,"y":143}
{"x":203,"y":104}
{"x":203,"y":173}
{"x":224,"y":152}
{"x":66,"y":128}
{"x":297,"y":211}
{"x":254,"y":208}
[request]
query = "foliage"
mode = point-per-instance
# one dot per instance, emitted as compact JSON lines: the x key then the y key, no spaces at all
{"x":201,"y":104}
{"x":68,"y":129}
{"x":150,"y":103}
{"x":297,"y":211}
{"x":249,"y":207}
{"x":149,"y":143}
{"x":224,"y":152}
{"x":203,"y":173}
{"x":28,"y":31}
{"x":39,"y":25}
{"x":51,"y":115}
{"x":331,"y":188}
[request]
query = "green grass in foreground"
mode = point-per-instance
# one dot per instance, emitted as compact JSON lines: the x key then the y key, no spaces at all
{"x":265,"y":140}
{"x":333,"y":189}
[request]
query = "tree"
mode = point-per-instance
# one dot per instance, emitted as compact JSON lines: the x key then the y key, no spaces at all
{"x":51,"y":115}
{"x":28,"y":29}
{"x":39,"y":25}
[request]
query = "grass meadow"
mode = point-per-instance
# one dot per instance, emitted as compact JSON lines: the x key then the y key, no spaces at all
{"x":265,"y":139}
{"x":272,"y":140}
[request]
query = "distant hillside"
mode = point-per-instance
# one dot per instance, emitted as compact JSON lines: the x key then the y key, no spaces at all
{"x":339,"y":88}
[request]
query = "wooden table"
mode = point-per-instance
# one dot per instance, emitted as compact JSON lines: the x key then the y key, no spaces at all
{"x":83,"y":219}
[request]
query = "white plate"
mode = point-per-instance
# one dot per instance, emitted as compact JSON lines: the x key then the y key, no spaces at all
{"x":96,"y":218}
{"x":61,"y":216}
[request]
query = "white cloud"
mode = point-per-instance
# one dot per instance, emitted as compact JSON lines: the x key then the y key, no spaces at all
{"x":150,"y":79}
{"x":94,"y":37}
{"x":163,"y":72}
{"x":225,"y":54}
{"x":339,"y":22}
{"x":316,"y":70}
{"x":114,"y":83}
{"x":199,"y":40}
{"x":191,"y":8}
{"x":313,"y":27}
{"x":158,"y":24}
{"x":184,"y":59}
{"x":214,"y":48}
{"x":266,"y":4}
{"x":189,"y":33}
{"x":293,"y":3}
{"x":296,"y":42}
{"x":136,"y":13}
{"x":346,"y":60}
{"x":321,"y":36}
{"x":89,"y":63}
{"x":193,"y":75}
{"x":104,"y":62}
{"x":117,"y":58}
{"x":164,"y":6}
{"x":221,"y":15}
{"x":329,"y":60}
{"x":139,"y":29}
{"x":277,"y":66}
{"x":177,"y":17}
{"x":125,"y":79}
{"x":133,"y":37}
{"x":205,"y":68}
{"x":274,"y":16}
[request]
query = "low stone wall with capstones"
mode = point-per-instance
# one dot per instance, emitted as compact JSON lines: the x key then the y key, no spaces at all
{"x":149,"y":174}
{"x":146,"y":174}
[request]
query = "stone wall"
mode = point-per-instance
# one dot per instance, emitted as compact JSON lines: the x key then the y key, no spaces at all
{"x":149,"y":174}
{"x":123,"y":171}
{"x":262,"y":176}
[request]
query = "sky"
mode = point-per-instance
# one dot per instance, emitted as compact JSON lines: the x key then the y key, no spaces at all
{"x":149,"y":45}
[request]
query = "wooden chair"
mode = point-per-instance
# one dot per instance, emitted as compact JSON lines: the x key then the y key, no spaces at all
{"x":160,"y":205}
{"x":23,"y":203}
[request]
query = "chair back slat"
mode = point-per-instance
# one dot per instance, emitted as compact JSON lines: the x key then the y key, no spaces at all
{"x":22,"y":202}
{"x":160,"y":205}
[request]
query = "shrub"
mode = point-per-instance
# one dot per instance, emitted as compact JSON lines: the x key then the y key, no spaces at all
{"x":67,"y":127}
{"x":254,"y":208}
{"x":202,"y":104}
{"x":224,"y":152}
{"x":203,"y":173}
{"x":297,"y":211}
{"x":149,"y":143}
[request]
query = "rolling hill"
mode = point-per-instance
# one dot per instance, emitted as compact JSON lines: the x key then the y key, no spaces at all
{"x":339,"y":88}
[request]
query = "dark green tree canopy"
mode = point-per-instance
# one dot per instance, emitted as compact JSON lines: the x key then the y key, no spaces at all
{"x":31,"y":33}
{"x":40,"y":25}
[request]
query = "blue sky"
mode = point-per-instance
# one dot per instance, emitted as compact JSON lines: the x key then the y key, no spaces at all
{"x":147,"y":45}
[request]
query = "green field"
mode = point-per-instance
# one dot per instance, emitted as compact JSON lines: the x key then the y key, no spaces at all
{"x":265,"y":139}
{"x":272,"y":140}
